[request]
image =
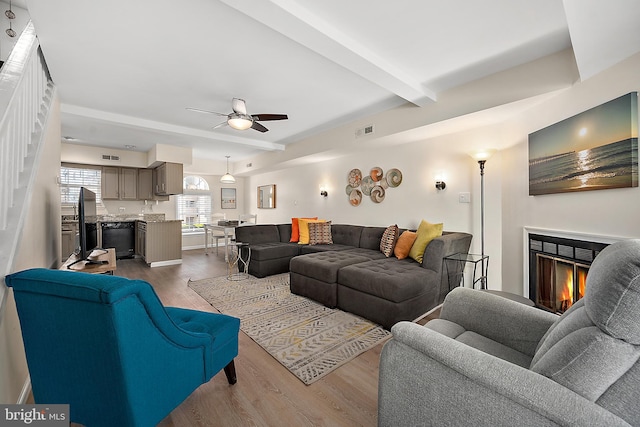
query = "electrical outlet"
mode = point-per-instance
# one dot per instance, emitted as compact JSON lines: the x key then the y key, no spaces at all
{"x":464,"y":197}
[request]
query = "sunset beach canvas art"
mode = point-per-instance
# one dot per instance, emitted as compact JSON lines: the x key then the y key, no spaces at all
{"x":594,"y":150}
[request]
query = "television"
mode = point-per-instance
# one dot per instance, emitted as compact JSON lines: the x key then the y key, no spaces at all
{"x":87,"y":223}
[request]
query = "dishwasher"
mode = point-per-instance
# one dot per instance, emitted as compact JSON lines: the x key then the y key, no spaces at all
{"x":121,"y":236}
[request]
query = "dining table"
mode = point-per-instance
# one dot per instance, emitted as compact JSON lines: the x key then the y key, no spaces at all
{"x":229,"y":232}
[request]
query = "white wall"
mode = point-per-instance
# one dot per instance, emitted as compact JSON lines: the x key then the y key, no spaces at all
{"x":298,"y":192}
{"x":39,"y":247}
{"x":603,"y":212}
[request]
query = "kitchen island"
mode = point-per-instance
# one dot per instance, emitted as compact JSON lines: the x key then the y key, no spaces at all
{"x":159,"y":243}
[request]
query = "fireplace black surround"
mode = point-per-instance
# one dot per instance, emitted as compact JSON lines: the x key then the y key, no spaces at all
{"x":557,"y":270}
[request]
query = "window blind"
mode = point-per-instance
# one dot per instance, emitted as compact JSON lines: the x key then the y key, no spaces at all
{"x":193,"y":209}
{"x":72,"y":177}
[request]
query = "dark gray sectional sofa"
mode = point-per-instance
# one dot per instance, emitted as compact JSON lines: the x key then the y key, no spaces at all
{"x":352,"y":274}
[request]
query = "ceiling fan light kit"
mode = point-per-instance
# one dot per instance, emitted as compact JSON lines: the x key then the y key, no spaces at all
{"x":239,"y":119}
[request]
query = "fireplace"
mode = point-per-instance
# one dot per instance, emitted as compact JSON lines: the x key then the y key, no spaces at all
{"x":558,"y":269}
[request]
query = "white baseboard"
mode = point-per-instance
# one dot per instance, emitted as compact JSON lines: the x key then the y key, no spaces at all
{"x":165,"y":263}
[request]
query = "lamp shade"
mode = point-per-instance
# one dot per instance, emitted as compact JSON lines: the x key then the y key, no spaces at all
{"x":482,"y":154}
{"x":227,"y":178}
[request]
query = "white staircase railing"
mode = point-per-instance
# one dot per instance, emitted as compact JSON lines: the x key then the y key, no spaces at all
{"x":26,"y":93}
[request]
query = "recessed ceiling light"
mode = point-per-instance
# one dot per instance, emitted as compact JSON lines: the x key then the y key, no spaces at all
{"x":130,"y":147}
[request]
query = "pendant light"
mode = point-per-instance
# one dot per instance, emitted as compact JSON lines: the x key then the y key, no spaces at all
{"x":9,"y":14}
{"x":227,"y":178}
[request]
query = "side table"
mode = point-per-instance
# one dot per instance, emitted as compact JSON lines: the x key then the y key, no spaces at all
{"x":238,"y":255}
{"x":456,"y":263}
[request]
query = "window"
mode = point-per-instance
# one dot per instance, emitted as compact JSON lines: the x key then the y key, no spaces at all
{"x":72,"y":177}
{"x":194,"y":205}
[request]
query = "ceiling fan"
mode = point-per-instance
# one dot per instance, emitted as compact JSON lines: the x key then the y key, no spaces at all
{"x":240,"y":119}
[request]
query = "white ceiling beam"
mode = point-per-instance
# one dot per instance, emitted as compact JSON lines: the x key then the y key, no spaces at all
{"x":602,"y":33}
{"x":297,"y":23}
{"x":136,"y":122}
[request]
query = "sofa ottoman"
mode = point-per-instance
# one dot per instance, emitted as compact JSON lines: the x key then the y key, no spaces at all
{"x":388,"y":290}
{"x":315,"y":275}
{"x":271,"y":258}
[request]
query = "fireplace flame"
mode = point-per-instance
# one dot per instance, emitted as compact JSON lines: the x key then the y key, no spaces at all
{"x":566,"y":295}
{"x":582,"y":283}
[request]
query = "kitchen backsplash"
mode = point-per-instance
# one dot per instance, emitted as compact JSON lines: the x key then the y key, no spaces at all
{"x":120,"y":217}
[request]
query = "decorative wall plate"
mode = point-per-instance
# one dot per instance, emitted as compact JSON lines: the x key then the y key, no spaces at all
{"x":376,"y":174}
{"x":355,"y":177}
{"x":366,"y":185}
{"x":348,"y":189}
{"x":394,"y":177}
{"x":355,"y":198}
{"x":377,"y":194}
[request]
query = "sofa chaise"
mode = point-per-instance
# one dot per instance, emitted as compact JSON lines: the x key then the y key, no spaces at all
{"x":488,"y":360}
{"x":352,"y":273}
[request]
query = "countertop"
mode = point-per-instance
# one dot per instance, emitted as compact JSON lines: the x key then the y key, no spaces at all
{"x":72,"y":219}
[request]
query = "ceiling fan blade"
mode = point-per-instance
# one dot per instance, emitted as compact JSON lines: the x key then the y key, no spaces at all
{"x":257,"y":126}
{"x":239,"y":106}
{"x":264,"y":117}
{"x":198,"y":110}
{"x":220,"y":125}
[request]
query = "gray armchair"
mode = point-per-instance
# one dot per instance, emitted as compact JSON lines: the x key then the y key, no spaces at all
{"x":491,"y":361}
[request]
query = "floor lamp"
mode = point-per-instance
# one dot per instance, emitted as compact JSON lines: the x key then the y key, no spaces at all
{"x":482,"y":156}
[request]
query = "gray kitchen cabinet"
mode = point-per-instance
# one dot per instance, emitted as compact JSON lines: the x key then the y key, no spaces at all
{"x":146,"y":185}
{"x":159,"y":242}
{"x":141,"y":239}
{"x":168,"y":179}
{"x":119,"y":183}
{"x":69,"y":231}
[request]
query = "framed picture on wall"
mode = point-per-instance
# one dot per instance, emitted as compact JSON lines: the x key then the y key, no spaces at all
{"x":594,"y":150}
{"x":228,"y":198}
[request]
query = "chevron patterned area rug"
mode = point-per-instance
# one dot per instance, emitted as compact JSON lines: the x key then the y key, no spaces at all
{"x":307,"y":338}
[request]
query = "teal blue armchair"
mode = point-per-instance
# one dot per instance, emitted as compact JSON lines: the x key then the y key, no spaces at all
{"x":106,"y":346}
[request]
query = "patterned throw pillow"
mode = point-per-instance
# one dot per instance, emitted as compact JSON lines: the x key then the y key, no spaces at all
{"x":389,"y":239}
{"x":295,"y":229}
{"x":303,"y":229}
{"x":320,"y":233}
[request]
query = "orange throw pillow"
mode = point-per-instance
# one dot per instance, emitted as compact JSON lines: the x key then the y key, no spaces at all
{"x":295,"y":229}
{"x":404,"y":243}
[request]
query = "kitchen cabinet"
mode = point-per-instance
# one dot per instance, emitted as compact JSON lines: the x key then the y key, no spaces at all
{"x":168,"y":179}
{"x":159,"y":242}
{"x":69,"y":231}
{"x":141,"y":239}
{"x":119,"y":183}
{"x":146,"y":185}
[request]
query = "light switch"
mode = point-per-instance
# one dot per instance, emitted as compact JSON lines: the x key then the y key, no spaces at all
{"x":464,"y":197}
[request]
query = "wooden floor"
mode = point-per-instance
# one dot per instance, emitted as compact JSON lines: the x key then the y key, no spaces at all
{"x":266,"y":393}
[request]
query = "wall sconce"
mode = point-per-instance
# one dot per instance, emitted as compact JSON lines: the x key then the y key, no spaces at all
{"x":440,"y":184}
{"x":323,"y":192}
